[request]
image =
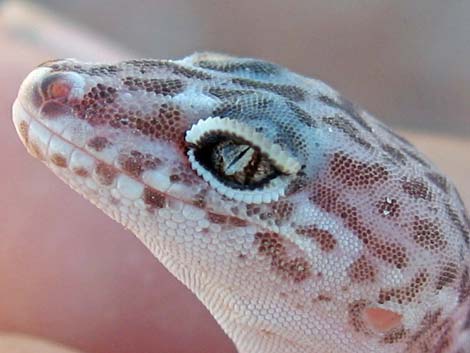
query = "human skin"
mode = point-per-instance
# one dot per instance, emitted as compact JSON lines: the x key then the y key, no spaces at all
{"x":71,"y":275}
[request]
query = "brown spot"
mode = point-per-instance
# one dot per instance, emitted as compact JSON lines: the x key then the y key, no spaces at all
{"x":216,"y":218}
{"x":224,"y":94}
{"x":324,"y":298}
{"x":395,"y":336}
{"x":417,"y":189}
{"x":81,"y":172}
{"x":355,"y":317}
{"x":237,"y":222}
{"x":250,"y":66}
{"x":153,"y":198}
{"x":135,"y":162}
{"x":328,"y":200}
{"x":199,"y":199}
{"x":428,"y":235}
{"x":293,"y":93}
{"x":423,"y":339}
{"x":447,"y":275}
{"x":466,"y":325}
{"x":159,"y":86}
{"x":325,"y":239}
{"x":356,"y":174}
{"x":301,"y":114}
{"x":416,"y":157}
{"x":271,"y":245}
{"x":395,"y":154}
{"x":348,"y":107}
{"x":458,"y":223}
{"x":59,"y":160}
{"x":464,"y":288}
{"x":279,"y":211}
{"x":406,"y":294}
{"x":381,"y":320}
{"x":23,"y":130}
{"x":389,"y":208}
{"x":36,"y":151}
{"x":343,"y":124}
{"x":362,"y":271}
{"x":440,"y":181}
{"x":106,"y":173}
{"x":54,"y":109}
{"x":98,"y":143}
{"x":148,"y":65}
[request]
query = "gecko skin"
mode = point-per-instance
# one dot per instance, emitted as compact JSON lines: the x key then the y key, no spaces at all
{"x":299,"y":220}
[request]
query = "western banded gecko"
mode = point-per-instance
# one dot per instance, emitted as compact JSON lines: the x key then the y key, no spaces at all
{"x":298,"y":219}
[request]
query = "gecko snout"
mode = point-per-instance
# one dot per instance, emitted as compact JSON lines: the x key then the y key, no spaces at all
{"x":48,"y":94}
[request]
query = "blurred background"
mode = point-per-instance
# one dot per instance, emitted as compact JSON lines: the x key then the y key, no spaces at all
{"x":70,"y":274}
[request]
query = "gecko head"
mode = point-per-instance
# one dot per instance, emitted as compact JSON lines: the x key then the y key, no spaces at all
{"x":168,"y":127}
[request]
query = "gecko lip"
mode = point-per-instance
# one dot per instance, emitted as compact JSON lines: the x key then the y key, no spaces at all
{"x":48,"y":94}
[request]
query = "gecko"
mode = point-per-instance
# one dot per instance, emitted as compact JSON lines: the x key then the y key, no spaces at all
{"x":300,"y":221}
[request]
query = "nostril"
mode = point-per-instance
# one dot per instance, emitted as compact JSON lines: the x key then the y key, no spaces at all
{"x":56,"y":86}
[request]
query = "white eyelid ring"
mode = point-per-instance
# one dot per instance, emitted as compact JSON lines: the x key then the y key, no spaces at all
{"x":281,"y":159}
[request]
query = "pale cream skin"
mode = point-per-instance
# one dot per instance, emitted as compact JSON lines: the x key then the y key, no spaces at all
{"x":314,"y":267}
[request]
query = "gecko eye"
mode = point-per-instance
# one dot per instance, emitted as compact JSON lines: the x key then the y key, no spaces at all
{"x":239,"y":162}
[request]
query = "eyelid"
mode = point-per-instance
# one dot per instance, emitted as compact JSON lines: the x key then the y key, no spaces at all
{"x":281,"y":158}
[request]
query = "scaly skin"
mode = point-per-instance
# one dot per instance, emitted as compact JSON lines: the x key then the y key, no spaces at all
{"x":300,"y":221}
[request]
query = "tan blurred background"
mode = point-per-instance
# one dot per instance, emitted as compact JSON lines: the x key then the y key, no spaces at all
{"x":70,"y":274}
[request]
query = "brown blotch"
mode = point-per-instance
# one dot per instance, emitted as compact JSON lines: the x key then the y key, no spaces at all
{"x":416,"y":157}
{"x":348,"y":107}
{"x":148,"y":65}
{"x":98,"y":143}
{"x":389,"y":208}
{"x":354,"y":173}
{"x":135,"y":162}
{"x":237,"y":222}
{"x":440,"y":181}
{"x":325,"y":239}
{"x":271,"y":245}
{"x":248,"y":66}
{"x":464,"y":287}
{"x":199,"y":199}
{"x":106,"y":173}
{"x":417,"y":189}
{"x":395,"y":154}
{"x":23,"y":129}
{"x":395,"y":336}
{"x":54,"y":109}
{"x":447,"y":275}
{"x":36,"y":151}
{"x":224,"y":94}
{"x":165,"y":87}
{"x":458,"y":223}
{"x":342,"y":124}
{"x":279,"y":211}
{"x":362,"y":271}
{"x":428,"y":235}
{"x":355,"y":318}
{"x":301,"y":114}
{"x":153,"y":198}
{"x":406,"y":294}
{"x":328,"y":200}
{"x":59,"y":160}
{"x":293,"y":93}
{"x":216,"y":218}
{"x":81,"y":172}
{"x":423,"y":339}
